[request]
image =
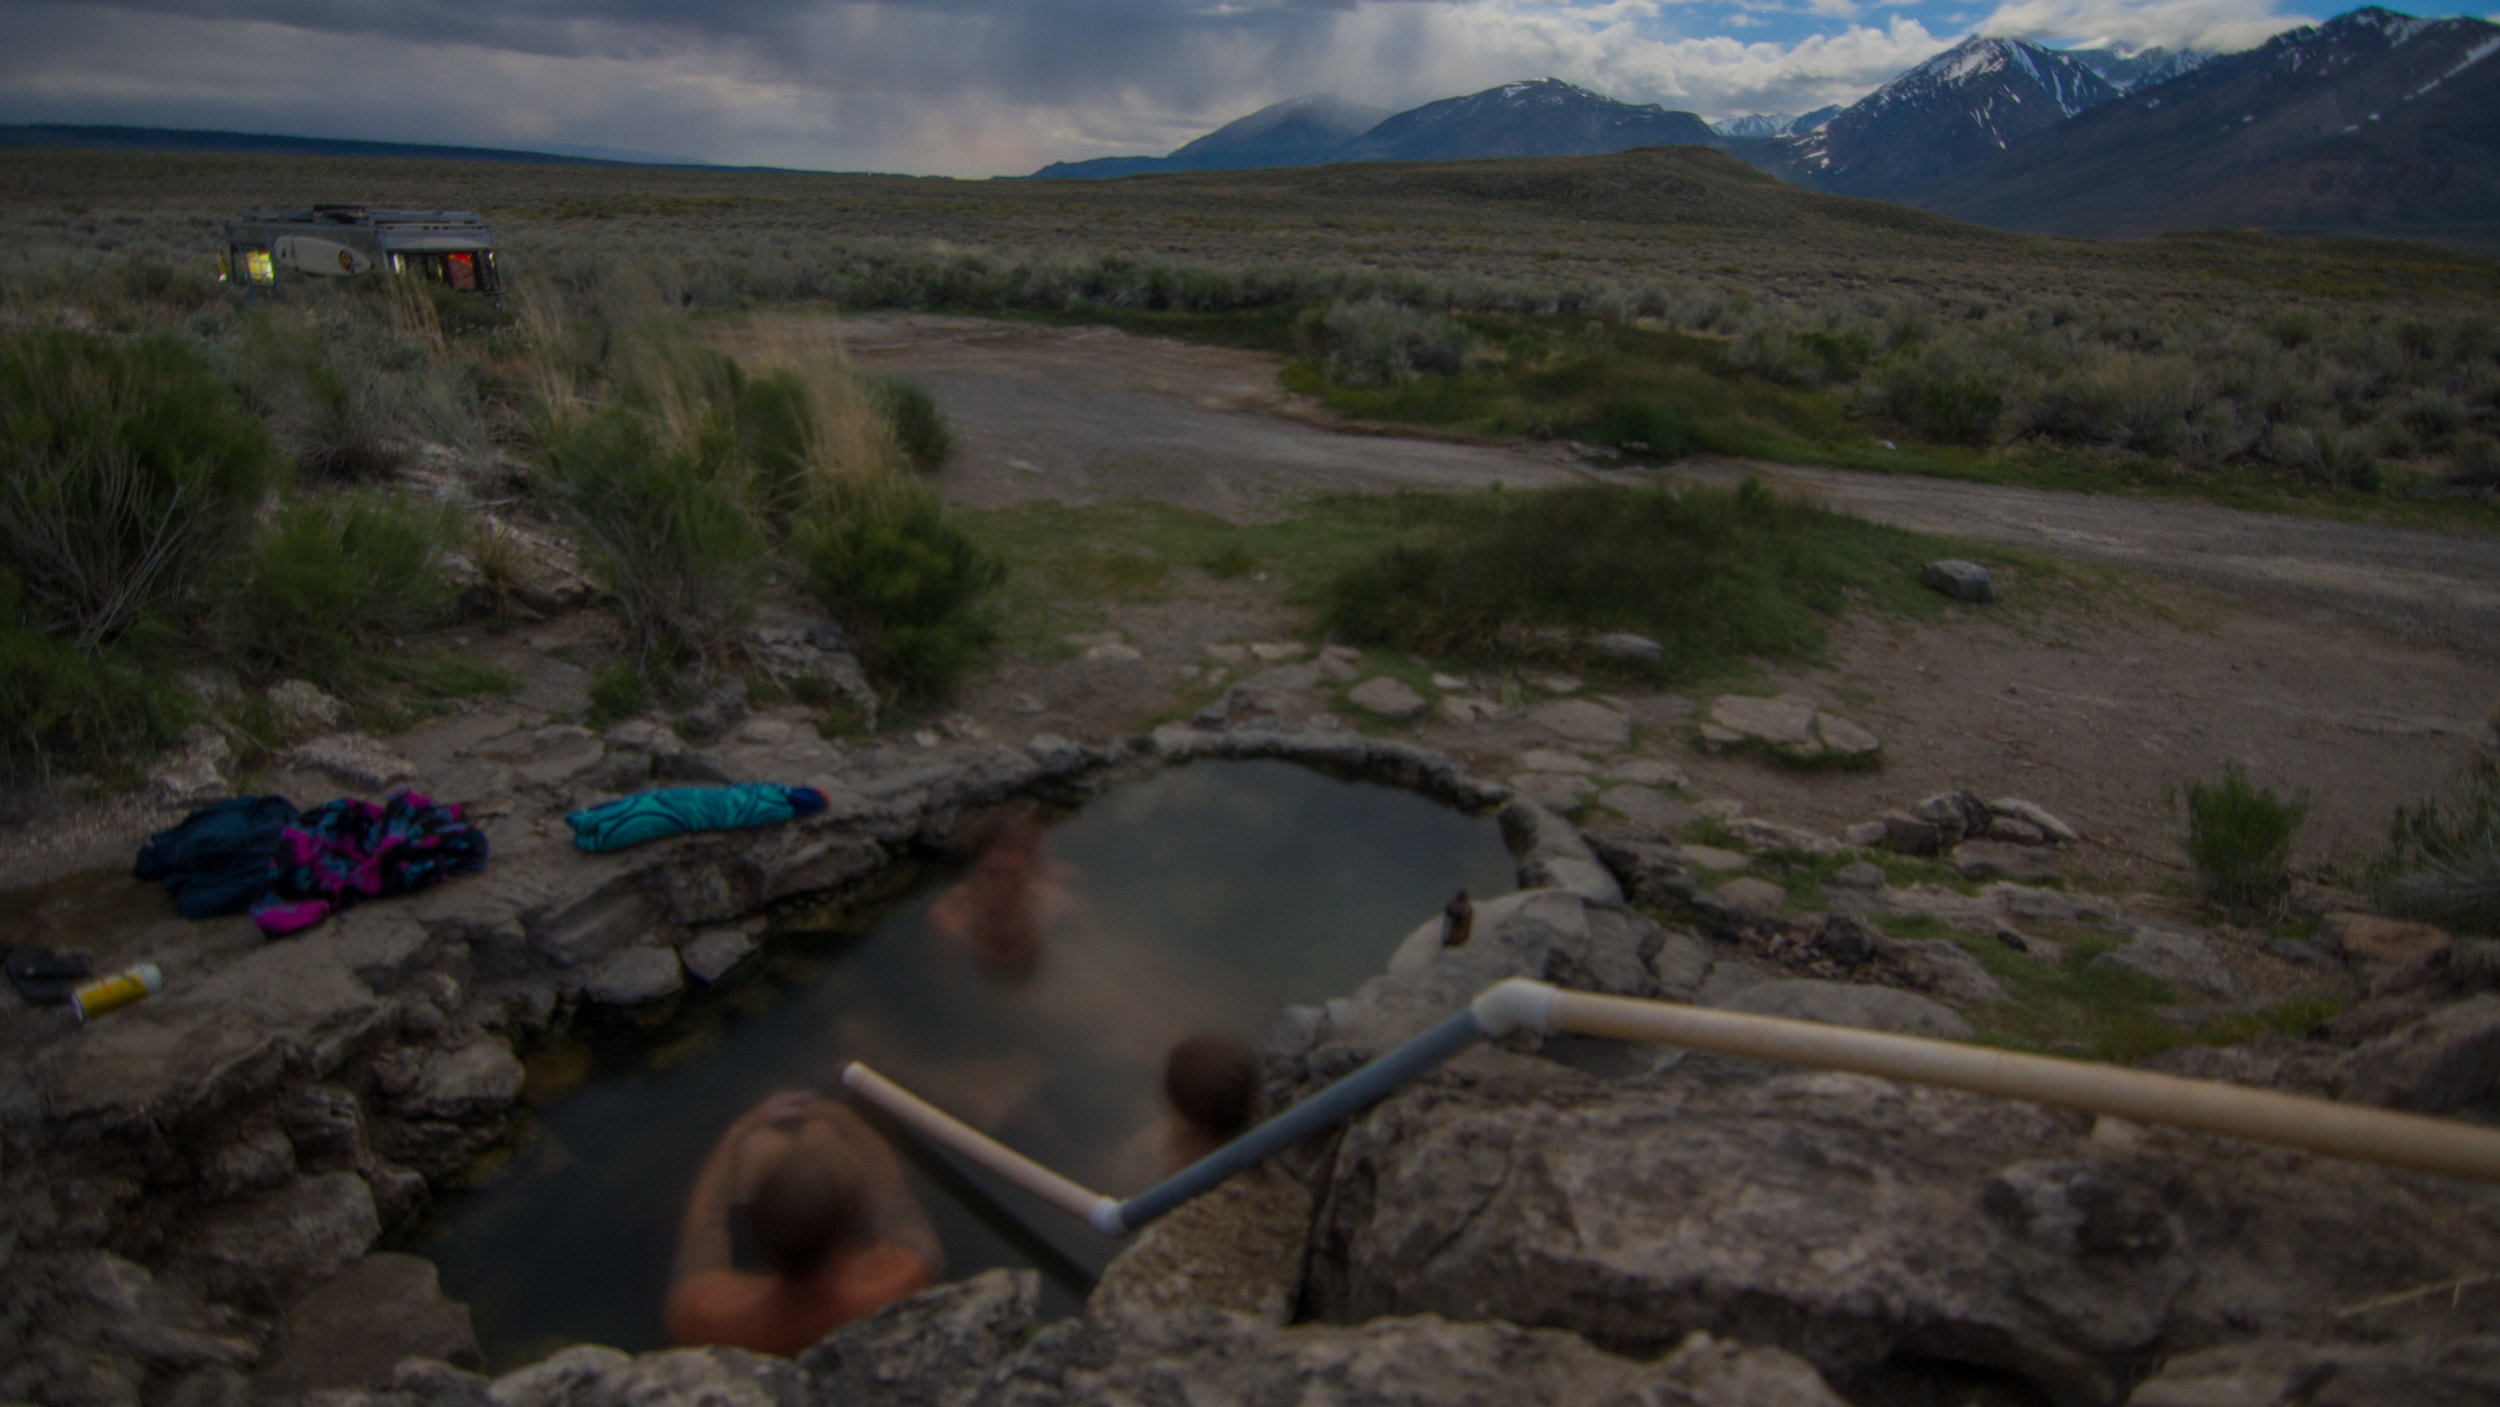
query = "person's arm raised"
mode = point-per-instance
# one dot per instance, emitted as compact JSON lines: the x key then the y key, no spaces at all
{"x":703,"y":1236}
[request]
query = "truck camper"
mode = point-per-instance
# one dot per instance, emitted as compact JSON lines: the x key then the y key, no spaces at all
{"x":450,"y":247}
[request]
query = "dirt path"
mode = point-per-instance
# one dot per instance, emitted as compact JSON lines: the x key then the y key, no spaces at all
{"x":2432,"y":585}
{"x":1084,"y":414}
{"x":1080,"y":414}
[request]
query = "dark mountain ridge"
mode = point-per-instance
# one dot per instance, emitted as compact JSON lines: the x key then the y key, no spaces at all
{"x":2373,"y":122}
{"x":1958,"y":108}
{"x":1546,"y":117}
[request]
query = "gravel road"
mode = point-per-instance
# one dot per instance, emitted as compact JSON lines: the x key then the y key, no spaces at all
{"x":1090,"y":413}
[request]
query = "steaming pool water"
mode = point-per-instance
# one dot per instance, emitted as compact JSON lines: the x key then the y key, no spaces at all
{"x":1205,"y":898}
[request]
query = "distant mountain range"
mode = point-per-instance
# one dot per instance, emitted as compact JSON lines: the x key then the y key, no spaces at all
{"x":1547,"y":117}
{"x":109,"y":138}
{"x":1779,"y":124}
{"x":1964,"y":104}
{"x":2371,"y":122}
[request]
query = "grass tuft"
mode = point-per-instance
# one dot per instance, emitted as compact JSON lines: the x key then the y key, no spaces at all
{"x":333,"y":585}
{"x":2442,"y":860}
{"x":1715,"y":576}
{"x":2239,"y":838}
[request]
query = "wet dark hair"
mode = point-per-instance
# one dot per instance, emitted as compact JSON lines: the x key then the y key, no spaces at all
{"x":805,"y":1210}
{"x":1213,"y":1083}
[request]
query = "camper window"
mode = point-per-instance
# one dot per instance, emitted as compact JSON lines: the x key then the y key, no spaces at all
{"x":469,"y":271}
{"x":257,"y":267}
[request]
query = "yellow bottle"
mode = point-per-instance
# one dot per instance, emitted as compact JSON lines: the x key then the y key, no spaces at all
{"x":93,"y":999}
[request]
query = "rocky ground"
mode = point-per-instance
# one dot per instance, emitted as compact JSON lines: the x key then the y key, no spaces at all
{"x":195,"y":1185}
{"x":1923,"y":834}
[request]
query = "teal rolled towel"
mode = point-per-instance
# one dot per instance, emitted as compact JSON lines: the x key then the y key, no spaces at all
{"x":655,"y":815}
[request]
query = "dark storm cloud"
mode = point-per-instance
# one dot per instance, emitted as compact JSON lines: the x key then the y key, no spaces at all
{"x":1053,"y":36}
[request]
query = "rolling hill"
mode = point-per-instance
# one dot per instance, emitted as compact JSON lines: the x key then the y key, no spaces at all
{"x":1547,"y":117}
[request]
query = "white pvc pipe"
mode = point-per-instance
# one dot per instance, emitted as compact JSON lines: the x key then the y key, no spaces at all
{"x":2260,"y":1116}
{"x":947,"y":1131}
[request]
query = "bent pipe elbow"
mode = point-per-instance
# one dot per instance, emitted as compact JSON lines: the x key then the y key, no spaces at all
{"x":1512,"y":1005}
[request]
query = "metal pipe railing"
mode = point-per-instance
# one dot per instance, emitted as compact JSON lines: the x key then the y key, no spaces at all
{"x":2260,"y":1116}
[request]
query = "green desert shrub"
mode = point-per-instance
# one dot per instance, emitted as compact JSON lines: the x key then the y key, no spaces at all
{"x":127,"y":470}
{"x":1645,"y":427}
{"x":332,"y":585}
{"x":2327,"y":458}
{"x":1714,"y":575}
{"x":919,"y":428}
{"x":1939,"y":399}
{"x":665,"y":530}
{"x":1379,"y":343}
{"x":2442,"y":860}
{"x":2239,"y":838}
{"x":61,"y":706}
{"x":2475,"y":462}
{"x":909,"y":585}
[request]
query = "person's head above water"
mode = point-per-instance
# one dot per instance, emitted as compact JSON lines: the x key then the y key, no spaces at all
{"x":810,"y":1205}
{"x":1213,"y":1084}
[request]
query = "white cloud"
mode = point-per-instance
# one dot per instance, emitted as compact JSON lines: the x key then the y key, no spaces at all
{"x":961,"y":87}
{"x":2224,"y":25}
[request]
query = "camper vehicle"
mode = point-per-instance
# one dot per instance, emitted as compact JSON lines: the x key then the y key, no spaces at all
{"x":340,"y":241}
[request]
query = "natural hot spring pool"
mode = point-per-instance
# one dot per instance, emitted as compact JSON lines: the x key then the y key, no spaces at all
{"x":1206,"y":898}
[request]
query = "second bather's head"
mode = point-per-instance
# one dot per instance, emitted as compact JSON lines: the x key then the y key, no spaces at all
{"x":1212,"y":1083}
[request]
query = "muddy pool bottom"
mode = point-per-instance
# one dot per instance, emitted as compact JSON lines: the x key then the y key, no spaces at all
{"x":1206,"y":898}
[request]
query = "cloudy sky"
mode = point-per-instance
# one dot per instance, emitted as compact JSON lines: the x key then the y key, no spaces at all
{"x":970,"y":87}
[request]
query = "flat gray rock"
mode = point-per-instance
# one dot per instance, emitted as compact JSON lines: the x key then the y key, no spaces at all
{"x":1627,"y":646}
{"x":1646,"y":807}
{"x":352,"y":1331}
{"x":1583,"y":721}
{"x":1556,"y":792}
{"x":642,"y":973}
{"x":2185,"y":960}
{"x":711,"y":954}
{"x":1388,"y":697}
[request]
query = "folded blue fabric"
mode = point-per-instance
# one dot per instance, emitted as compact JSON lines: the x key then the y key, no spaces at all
{"x":653,"y":815}
{"x":218,"y":860}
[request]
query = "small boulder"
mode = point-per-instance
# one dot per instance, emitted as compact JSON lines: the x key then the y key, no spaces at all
{"x":1627,"y":646}
{"x":2006,"y":830}
{"x":1843,"y":740}
{"x":638,"y":974}
{"x":1992,"y":859}
{"x":711,"y":954}
{"x":353,"y":760}
{"x":1390,"y":698}
{"x":1753,"y":896}
{"x":2370,"y":938}
{"x":1859,"y":874}
{"x":1554,"y":791}
{"x":1772,"y":836}
{"x":1847,"y":940}
{"x":2014,"y":808}
{"x":1463,"y":708}
{"x":1711,"y":857}
{"x":1583,"y":721}
{"x":197,"y":774}
{"x":352,"y":1331}
{"x":644,"y":736}
{"x":1277,"y":652}
{"x":1644,"y":772}
{"x":1910,"y":835}
{"x":1785,"y":723}
{"x":2183,"y":959}
{"x":1864,"y":833}
{"x":468,"y":1083}
{"x":1546,"y":759}
{"x":303,"y":708}
{"x":1963,"y":581}
{"x":2447,"y":1060}
{"x":1848,"y":1004}
{"x":1646,"y":807}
